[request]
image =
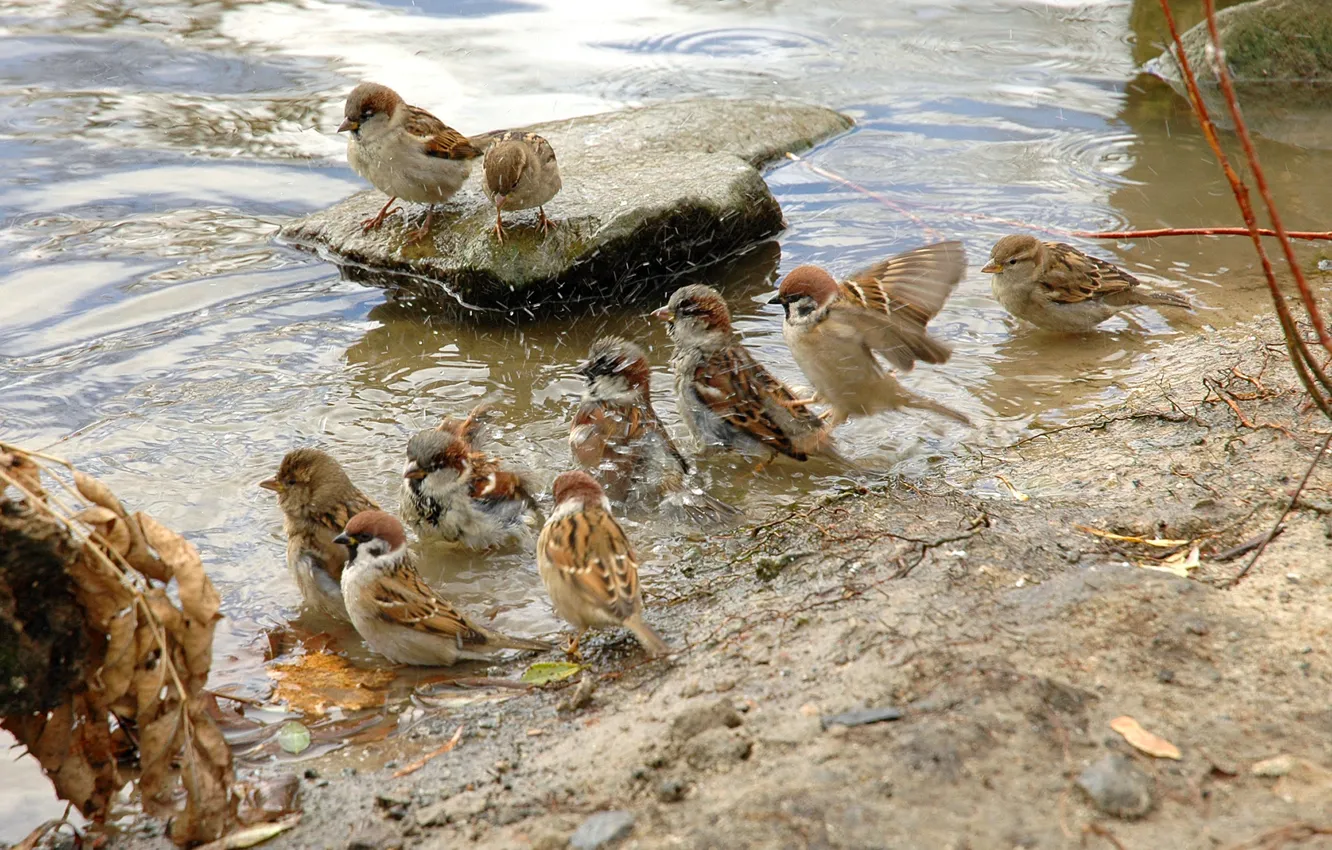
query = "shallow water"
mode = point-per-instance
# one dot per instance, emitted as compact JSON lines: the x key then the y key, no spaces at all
{"x":152,"y":331}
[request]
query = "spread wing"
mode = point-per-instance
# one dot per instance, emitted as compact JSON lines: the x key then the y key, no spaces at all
{"x":604,"y":432}
{"x":747,"y":397}
{"x":489,"y":483}
{"x":592,"y":556}
{"x":439,"y":138}
{"x":1073,"y":276}
{"x":401,"y":597}
{"x":889,"y":304}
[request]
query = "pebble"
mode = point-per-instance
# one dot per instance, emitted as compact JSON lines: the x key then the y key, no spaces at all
{"x":459,"y":807}
{"x":603,"y":829}
{"x":1117,"y":787}
{"x":374,"y":836}
{"x":671,"y":790}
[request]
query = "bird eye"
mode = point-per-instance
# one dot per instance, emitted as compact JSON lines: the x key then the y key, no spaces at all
{"x":1013,"y":262}
{"x":367,"y":114}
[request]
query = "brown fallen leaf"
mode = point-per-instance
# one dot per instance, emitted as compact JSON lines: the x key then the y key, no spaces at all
{"x":424,"y":760}
{"x":1153,"y":541}
{"x":252,"y":835}
{"x":314,"y":683}
{"x":1141,"y":739}
{"x":97,"y":493}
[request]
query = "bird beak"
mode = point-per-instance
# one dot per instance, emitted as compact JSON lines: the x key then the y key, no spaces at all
{"x":348,"y":124}
{"x":412,"y":471}
{"x":992,"y":267}
{"x":269,"y":484}
{"x":343,"y":539}
{"x":777,"y":299}
{"x":664,"y":314}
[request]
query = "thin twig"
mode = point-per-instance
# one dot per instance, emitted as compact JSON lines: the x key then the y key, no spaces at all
{"x":425,"y":759}
{"x":1196,"y":231}
{"x":1276,"y":529}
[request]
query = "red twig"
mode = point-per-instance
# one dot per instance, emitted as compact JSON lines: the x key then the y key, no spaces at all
{"x":1197,"y":231}
{"x":425,"y":759}
{"x":1260,"y":179}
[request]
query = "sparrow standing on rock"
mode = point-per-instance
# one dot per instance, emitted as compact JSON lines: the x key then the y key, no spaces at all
{"x":1059,"y":288}
{"x":521,"y":173}
{"x":726,"y":398}
{"x":588,"y":566}
{"x":616,"y":434}
{"x":317,"y":499}
{"x":833,"y":330}
{"x":404,"y":151}
{"x":397,"y":613}
{"x":452,"y":491}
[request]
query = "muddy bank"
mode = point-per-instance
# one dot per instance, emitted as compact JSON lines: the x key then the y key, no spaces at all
{"x":1004,"y":635}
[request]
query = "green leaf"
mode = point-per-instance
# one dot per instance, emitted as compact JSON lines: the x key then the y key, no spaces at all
{"x":293,"y":737}
{"x":545,"y":672}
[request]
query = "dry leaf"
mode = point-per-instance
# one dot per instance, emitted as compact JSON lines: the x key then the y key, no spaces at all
{"x":21,"y":468}
{"x":1017,"y":494}
{"x":252,"y":835}
{"x":314,"y":683}
{"x":1141,"y":739}
{"x":97,"y":493}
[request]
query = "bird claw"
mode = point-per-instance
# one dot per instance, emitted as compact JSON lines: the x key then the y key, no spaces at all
{"x":571,"y":649}
{"x":374,"y":221}
{"x":544,"y":223}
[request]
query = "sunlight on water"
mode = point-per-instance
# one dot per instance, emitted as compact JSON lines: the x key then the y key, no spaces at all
{"x":153,"y":332}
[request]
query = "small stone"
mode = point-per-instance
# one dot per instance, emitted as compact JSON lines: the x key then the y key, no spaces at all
{"x":716,"y":748}
{"x":349,"y":771}
{"x":394,"y":803}
{"x":691,"y":689}
{"x":1196,"y":627}
{"x":1293,"y":578}
{"x":456,"y":809}
{"x":604,"y":829}
{"x":701,"y":717}
{"x":374,"y":836}
{"x":671,"y":790}
{"x":311,"y":773}
{"x":1117,"y":787}
{"x":581,"y":696}
{"x":1165,"y":677}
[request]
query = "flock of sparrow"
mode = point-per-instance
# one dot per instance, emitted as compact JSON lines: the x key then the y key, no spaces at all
{"x":351,"y":559}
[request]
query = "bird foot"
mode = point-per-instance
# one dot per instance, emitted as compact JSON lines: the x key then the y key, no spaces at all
{"x":424,"y":230}
{"x":498,"y":229}
{"x":544,"y":223}
{"x":571,"y":650}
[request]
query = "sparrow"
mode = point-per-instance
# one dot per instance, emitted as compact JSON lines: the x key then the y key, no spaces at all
{"x":1059,"y":288}
{"x":617,"y":436}
{"x":725,"y":397}
{"x":397,"y":613}
{"x":317,"y":499}
{"x":521,"y":173}
{"x":834,"y":330}
{"x":404,"y":151}
{"x":454,"y":492}
{"x":588,"y":566}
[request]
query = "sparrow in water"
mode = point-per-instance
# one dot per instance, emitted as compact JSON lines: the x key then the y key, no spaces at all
{"x":1059,"y":288}
{"x":397,"y":613}
{"x":725,"y":397}
{"x":521,"y":173}
{"x":588,"y":566}
{"x":404,"y":151}
{"x":454,"y":492}
{"x":834,"y":330}
{"x":317,"y":499}
{"x":617,"y":436}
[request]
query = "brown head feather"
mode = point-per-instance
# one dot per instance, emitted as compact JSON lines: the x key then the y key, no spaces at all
{"x":611,"y":355}
{"x":377,"y":524}
{"x":699,"y":303}
{"x":576,"y":485}
{"x":808,"y":280}
{"x":368,"y":100}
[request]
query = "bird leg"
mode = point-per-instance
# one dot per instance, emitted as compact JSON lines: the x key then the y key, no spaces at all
{"x":374,"y":221}
{"x":546,"y":224}
{"x":424,"y":230}
{"x":571,"y":649}
{"x":832,"y":418}
{"x":499,"y":225}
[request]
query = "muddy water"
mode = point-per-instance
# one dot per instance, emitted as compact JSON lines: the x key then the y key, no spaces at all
{"x":151,"y":329}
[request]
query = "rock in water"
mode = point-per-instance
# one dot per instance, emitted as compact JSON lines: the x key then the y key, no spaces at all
{"x":1279,"y":53}
{"x":648,"y":194}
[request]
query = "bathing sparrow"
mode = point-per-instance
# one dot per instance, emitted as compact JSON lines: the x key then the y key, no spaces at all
{"x":397,"y":613}
{"x":317,"y":499}
{"x":1059,"y":288}
{"x":588,"y":566}
{"x":834,"y":330}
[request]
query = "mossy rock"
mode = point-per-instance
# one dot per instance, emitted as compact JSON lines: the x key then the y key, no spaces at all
{"x":1264,"y":41}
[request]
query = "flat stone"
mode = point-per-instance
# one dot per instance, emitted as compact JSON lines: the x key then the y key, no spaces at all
{"x":604,"y":829}
{"x":648,"y":194}
{"x":1117,"y":787}
{"x":456,"y":809}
